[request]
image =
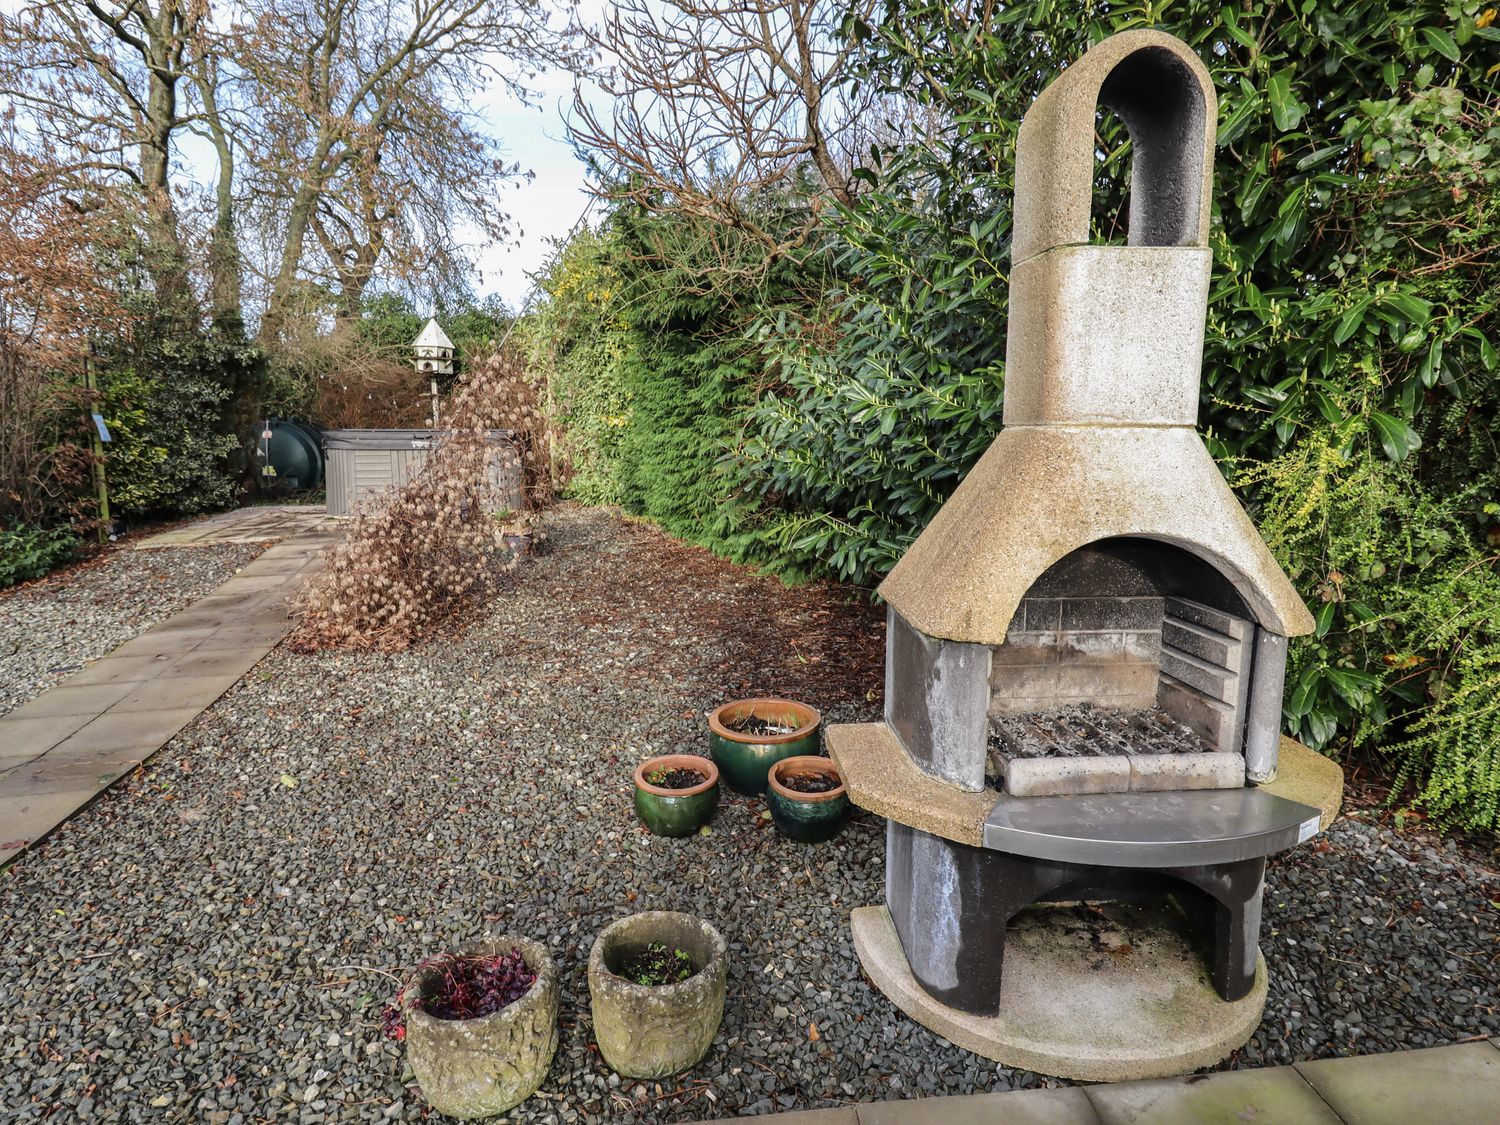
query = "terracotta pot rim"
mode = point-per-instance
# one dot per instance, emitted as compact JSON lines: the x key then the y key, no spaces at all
{"x":693,"y":762}
{"x":814,"y":762}
{"x":601,"y":943}
{"x":809,"y":724}
{"x":538,"y":960}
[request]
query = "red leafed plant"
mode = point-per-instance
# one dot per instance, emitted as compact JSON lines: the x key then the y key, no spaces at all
{"x":470,"y":986}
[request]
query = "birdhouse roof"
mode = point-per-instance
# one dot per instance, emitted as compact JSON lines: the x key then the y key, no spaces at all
{"x":432,"y":336}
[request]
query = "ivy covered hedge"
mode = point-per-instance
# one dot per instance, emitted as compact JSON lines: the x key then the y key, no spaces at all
{"x":1350,"y":390}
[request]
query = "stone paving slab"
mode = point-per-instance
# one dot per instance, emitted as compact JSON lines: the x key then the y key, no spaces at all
{"x":1270,"y":1096}
{"x":1440,"y":1085}
{"x":24,"y":737}
{"x":74,"y":699}
{"x":243,"y":525}
{"x":171,"y":692}
{"x":120,"y":669}
{"x":1459,"y":1084}
{"x":1017,"y":1107}
{"x":61,"y":749}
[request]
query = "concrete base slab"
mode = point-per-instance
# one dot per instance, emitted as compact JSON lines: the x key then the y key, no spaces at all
{"x":1143,"y":1007}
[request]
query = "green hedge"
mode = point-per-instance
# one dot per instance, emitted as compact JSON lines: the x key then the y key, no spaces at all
{"x":1350,"y":371}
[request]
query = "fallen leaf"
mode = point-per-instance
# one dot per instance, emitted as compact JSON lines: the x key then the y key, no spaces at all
{"x":812,"y":1033}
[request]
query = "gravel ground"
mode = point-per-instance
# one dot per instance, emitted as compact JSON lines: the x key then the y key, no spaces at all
{"x":51,"y":627}
{"x":210,"y":943}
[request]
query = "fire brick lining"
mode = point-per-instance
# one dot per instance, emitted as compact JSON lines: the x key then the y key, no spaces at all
{"x":1205,"y":663}
{"x":1076,"y":650}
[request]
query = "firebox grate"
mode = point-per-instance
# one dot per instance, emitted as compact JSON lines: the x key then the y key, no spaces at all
{"x":1087,"y":732}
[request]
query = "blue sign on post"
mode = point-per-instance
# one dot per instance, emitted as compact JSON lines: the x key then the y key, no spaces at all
{"x":101,"y":427}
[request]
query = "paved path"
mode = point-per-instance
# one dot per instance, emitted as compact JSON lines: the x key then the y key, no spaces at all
{"x":1453,"y":1085}
{"x":243,"y":525}
{"x":65,"y":747}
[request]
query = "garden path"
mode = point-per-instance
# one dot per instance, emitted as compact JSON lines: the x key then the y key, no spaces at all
{"x":62,"y":749}
{"x":1441,"y":1084}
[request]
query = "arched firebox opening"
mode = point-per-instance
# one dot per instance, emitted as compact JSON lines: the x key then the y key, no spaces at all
{"x":1125,"y":648}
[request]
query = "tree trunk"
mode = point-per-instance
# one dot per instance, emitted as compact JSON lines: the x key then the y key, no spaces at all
{"x":165,"y":258}
{"x":298,"y":219}
{"x":225,"y":294}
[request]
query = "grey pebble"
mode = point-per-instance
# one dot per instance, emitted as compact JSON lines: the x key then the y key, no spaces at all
{"x":438,"y":802}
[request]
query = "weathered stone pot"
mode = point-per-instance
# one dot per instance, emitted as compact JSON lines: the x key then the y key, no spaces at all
{"x":746,"y":759}
{"x":651,"y":1031}
{"x":676,"y":812}
{"x":481,"y":1067}
{"x":809,"y":818}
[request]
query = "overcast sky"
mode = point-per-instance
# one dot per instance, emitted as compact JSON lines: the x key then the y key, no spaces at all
{"x":547,"y":206}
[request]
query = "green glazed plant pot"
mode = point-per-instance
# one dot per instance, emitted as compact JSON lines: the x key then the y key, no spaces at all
{"x":651,"y":1031}
{"x":746,"y":759}
{"x":481,"y":1067}
{"x":809,"y":818}
{"x":676,"y":812}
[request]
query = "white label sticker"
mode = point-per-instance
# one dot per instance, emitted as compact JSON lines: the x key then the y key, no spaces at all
{"x":1307,"y":829}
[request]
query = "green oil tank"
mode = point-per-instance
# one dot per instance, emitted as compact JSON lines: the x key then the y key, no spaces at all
{"x":294,"y":452}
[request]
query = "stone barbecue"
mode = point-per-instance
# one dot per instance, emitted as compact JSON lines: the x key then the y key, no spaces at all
{"x":1086,"y":647}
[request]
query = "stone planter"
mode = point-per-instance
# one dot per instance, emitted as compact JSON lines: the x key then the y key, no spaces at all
{"x":746,"y":759}
{"x":481,"y":1067}
{"x":676,"y":812}
{"x":809,"y":818}
{"x":651,"y":1031}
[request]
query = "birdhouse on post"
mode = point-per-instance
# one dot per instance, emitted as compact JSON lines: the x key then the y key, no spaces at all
{"x":434,"y":357}
{"x":434,"y":351}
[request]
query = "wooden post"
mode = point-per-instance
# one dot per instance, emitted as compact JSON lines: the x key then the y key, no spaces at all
{"x":101,"y":485}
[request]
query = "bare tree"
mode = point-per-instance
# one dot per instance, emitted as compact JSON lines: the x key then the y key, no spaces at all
{"x":344,"y":142}
{"x":713,"y":102}
{"x":100,"y":83}
{"x":360,"y":147}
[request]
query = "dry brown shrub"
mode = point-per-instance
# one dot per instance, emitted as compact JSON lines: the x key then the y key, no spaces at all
{"x":427,"y":553}
{"x":52,"y":298}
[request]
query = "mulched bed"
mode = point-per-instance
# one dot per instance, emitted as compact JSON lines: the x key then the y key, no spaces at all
{"x":218,"y":936}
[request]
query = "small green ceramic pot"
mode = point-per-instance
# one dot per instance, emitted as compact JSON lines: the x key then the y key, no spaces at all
{"x":809,"y":818}
{"x":676,"y":812}
{"x":746,"y":759}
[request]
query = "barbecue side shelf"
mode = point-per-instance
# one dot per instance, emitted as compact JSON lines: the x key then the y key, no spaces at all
{"x":1126,"y":829}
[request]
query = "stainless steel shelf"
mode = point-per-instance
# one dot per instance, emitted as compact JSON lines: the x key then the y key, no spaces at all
{"x":1149,"y":829}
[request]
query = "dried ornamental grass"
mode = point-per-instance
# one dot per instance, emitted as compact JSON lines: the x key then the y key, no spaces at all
{"x":422,"y":554}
